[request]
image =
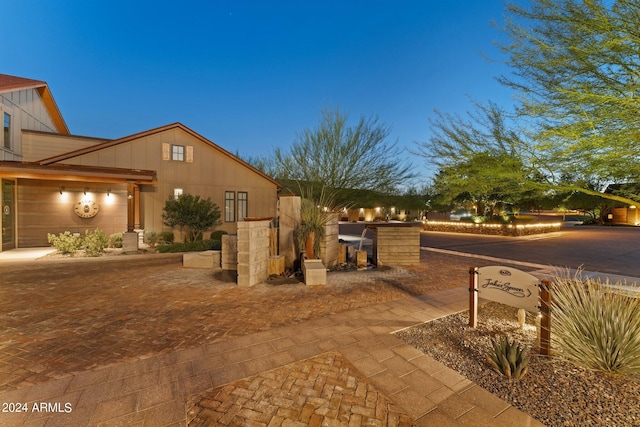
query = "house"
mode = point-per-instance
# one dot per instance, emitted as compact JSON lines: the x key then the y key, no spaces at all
{"x":53,"y":181}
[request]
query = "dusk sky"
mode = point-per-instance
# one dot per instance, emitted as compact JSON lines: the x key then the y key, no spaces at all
{"x":249,"y":75}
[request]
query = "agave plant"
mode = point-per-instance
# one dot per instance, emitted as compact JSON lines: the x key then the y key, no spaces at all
{"x":508,"y":358}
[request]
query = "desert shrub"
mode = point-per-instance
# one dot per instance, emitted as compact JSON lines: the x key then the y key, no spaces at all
{"x":165,"y":237}
{"x":198,"y":245}
{"x":95,"y":242}
{"x":595,"y":325}
{"x":217,"y":235}
{"x":115,"y":240}
{"x":65,"y":243}
{"x":508,"y":358}
{"x":151,"y":238}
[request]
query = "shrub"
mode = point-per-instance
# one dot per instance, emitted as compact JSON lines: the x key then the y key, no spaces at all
{"x":95,"y":242}
{"x":595,"y":325}
{"x":151,"y":238}
{"x":191,"y":214}
{"x":217,"y":235}
{"x":199,"y":245}
{"x":115,"y":240}
{"x":165,"y":237}
{"x":508,"y":358}
{"x":65,"y":243}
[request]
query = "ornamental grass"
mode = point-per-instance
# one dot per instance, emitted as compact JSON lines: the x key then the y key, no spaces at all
{"x":596,"y":325}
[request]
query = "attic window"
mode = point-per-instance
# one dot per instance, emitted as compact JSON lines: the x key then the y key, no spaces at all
{"x":177,"y":153}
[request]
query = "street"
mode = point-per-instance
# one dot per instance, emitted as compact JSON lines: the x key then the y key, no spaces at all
{"x":614,"y":250}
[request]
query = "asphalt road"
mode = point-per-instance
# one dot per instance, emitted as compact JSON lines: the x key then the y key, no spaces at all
{"x":614,"y":250}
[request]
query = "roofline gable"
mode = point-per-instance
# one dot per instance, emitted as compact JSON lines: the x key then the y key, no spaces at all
{"x":129,"y":138}
{"x":12,"y":83}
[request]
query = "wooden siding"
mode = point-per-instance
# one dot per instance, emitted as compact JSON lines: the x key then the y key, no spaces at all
{"x":27,"y":111}
{"x":41,"y":209}
{"x":37,"y":146}
{"x":209,"y":175}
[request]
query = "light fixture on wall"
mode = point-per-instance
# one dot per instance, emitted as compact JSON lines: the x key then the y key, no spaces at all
{"x":129,"y":196}
{"x":108,"y":192}
{"x":61,"y":189}
{"x":85,"y":190}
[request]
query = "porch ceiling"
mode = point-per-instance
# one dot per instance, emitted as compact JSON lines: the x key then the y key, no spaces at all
{"x":62,"y":172}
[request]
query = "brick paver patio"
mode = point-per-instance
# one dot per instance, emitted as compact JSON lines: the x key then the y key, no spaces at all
{"x":129,"y":341}
{"x":323,"y":390}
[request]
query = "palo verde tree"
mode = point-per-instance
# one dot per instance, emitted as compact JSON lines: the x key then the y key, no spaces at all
{"x":190,"y":214}
{"x":576,"y":70}
{"x":481,"y":160}
{"x":341,"y":158}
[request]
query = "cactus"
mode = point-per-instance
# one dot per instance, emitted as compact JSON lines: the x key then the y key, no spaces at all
{"x":508,"y":358}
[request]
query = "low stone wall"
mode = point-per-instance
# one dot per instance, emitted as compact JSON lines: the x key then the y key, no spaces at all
{"x":491,"y":229}
{"x":203,"y":259}
{"x":397,"y":244}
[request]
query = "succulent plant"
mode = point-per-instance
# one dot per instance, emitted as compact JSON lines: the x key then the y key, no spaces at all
{"x":508,"y":358}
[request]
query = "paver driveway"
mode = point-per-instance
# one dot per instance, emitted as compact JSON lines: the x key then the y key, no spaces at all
{"x":78,"y":316}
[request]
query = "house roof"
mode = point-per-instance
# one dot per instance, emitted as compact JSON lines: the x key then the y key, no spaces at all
{"x":133,"y":137}
{"x":62,"y":172}
{"x":12,"y":83}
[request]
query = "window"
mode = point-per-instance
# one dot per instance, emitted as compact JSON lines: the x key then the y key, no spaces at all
{"x":229,"y":206}
{"x":177,"y":153}
{"x":7,"y":131}
{"x":242,"y":205}
{"x":177,"y":192}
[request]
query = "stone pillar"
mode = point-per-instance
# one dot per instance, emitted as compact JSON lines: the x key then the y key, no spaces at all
{"x":289,"y":220}
{"x":253,"y":252}
{"x":229,"y":258}
{"x":329,"y":245}
{"x":130,"y":242}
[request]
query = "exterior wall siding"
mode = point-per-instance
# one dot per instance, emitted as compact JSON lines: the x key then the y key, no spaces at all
{"x":41,"y":209}
{"x":38,"y":146}
{"x":209,"y":175}
{"x":27,"y":112}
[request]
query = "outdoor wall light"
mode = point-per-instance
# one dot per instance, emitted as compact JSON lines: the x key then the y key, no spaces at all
{"x":108,"y":192}
{"x":61,"y":189}
{"x":85,"y":190}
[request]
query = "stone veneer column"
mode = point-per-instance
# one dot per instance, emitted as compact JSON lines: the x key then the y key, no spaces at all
{"x":288,"y":221}
{"x":253,"y":252}
{"x":329,"y":245}
{"x":229,"y":258}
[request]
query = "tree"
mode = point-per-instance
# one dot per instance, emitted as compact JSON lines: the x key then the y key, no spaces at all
{"x":481,"y":160}
{"x":577,"y":72}
{"x":191,"y":213}
{"x":341,"y":158}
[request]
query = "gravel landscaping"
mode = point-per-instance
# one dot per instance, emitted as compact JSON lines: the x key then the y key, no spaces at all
{"x":554,"y":392}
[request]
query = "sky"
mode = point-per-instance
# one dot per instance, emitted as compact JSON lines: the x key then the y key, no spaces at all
{"x":251,"y":75}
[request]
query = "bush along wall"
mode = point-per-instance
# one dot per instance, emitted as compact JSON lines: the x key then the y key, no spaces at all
{"x":490,"y":229}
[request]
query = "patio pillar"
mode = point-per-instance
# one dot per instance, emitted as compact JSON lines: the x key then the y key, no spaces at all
{"x":131,"y":211}
{"x":136,"y":206}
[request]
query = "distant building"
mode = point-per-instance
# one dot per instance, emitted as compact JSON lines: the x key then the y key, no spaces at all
{"x":53,"y":181}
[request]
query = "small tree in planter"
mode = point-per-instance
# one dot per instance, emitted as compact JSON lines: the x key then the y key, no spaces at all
{"x":315,"y":214}
{"x":190,"y":213}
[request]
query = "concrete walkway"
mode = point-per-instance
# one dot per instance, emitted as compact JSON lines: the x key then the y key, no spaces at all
{"x":155,"y":391}
{"x":25,"y":254}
